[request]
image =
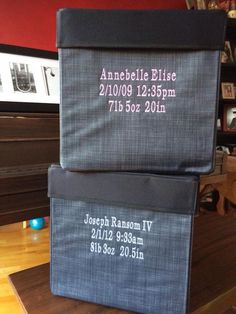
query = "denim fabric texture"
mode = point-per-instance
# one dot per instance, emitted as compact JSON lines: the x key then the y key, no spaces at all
{"x":155,"y":280}
{"x":98,"y":135}
{"x":136,"y":259}
{"x":139,"y":94}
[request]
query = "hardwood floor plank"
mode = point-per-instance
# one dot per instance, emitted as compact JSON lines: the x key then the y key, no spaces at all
{"x":19,"y":249}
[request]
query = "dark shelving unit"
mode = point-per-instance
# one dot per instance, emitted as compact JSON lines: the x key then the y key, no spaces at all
{"x":228,"y":74}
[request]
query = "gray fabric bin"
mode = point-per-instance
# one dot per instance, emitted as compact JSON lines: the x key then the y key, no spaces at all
{"x":139,"y":89}
{"x":122,"y":239}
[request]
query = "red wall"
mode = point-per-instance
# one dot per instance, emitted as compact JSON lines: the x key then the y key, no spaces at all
{"x":32,"y":23}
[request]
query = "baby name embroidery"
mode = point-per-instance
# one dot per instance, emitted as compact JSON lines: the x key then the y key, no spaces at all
{"x":116,"y":237}
{"x":138,"y":90}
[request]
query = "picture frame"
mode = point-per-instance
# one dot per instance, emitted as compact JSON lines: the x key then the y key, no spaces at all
{"x":228,"y":90}
{"x":29,"y":80}
{"x":227,"y":55}
{"x":229,"y":118}
{"x":200,"y":4}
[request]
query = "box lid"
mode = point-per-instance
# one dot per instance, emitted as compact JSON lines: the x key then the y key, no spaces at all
{"x":177,"y":194}
{"x":162,"y":29}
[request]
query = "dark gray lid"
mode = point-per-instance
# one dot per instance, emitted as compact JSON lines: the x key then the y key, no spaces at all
{"x":177,"y":194}
{"x":162,"y":29}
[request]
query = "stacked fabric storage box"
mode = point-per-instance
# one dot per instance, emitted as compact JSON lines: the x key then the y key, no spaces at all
{"x":139,"y":93}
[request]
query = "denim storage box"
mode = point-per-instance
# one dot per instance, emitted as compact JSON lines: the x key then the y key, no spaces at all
{"x":139,"y":89}
{"x":122,"y":239}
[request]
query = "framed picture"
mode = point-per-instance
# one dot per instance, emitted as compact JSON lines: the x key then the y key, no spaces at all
{"x":200,"y":4}
{"x":29,"y":79}
{"x":227,"y":54}
{"x":228,"y":91}
{"x":229,"y":118}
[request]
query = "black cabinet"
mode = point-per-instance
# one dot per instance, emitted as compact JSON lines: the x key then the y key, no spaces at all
{"x":29,"y":143}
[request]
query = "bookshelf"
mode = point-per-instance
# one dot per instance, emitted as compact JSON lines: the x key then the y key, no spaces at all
{"x":226,"y":136}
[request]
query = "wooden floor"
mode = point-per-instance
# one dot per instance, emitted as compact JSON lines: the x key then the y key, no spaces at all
{"x":24,"y":248}
{"x":19,"y":249}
